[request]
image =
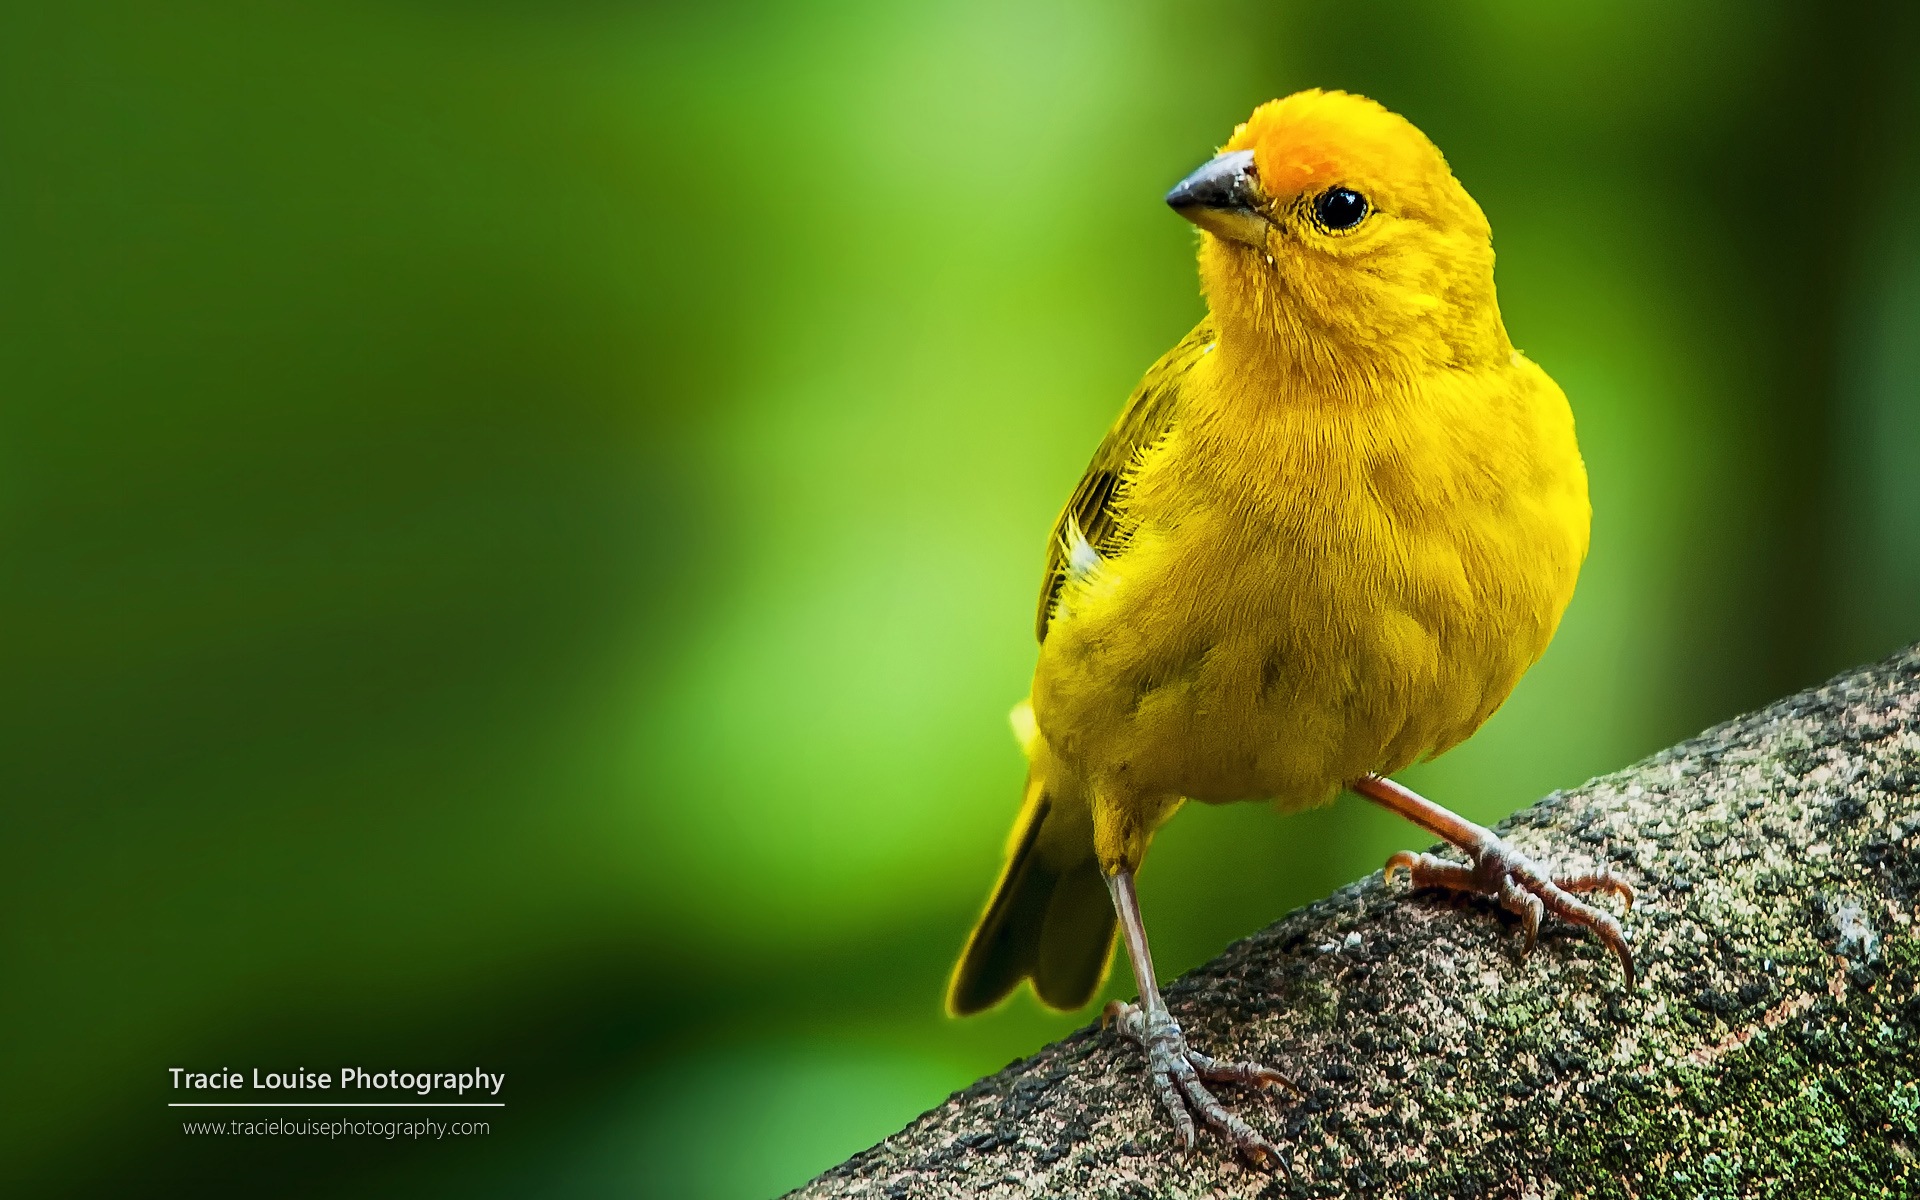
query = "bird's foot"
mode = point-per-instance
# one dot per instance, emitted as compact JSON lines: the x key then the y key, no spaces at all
{"x":1525,"y":890}
{"x":1180,"y":1075}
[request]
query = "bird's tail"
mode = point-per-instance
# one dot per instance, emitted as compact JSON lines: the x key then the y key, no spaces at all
{"x":1050,"y":919}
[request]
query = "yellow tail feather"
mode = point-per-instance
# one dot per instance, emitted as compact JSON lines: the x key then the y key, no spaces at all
{"x":1050,"y":919}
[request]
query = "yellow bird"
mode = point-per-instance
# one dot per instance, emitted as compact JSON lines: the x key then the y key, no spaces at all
{"x":1329,"y":532}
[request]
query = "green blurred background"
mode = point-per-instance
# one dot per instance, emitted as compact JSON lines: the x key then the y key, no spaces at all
{"x":521,"y":520}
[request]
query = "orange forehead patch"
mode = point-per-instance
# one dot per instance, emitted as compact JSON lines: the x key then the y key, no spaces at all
{"x":1313,"y":139}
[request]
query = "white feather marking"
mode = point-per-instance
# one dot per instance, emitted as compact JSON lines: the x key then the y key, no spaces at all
{"x":1082,"y":559}
{"x":1026,"y":730}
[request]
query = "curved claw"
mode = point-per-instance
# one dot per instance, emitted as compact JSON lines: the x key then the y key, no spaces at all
{"x":1611,"y":935}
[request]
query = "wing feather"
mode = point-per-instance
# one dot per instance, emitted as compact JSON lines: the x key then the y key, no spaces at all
{"x":1092,"y":511}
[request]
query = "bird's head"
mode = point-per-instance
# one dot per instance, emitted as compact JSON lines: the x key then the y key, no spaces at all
{"x":1335,"y":234}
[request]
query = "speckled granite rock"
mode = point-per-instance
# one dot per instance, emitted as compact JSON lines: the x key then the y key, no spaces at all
{"x":1773,"y":1047}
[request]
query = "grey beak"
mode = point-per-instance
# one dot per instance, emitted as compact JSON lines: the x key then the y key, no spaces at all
{"x":1223,"y":197}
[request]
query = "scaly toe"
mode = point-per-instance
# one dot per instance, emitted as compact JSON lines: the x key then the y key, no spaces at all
{"x":1537,"y":892}
{"x":1516,"y":899}
{"x":1176,"y":1073}
{"x":1602,"y":880}
{"x":1245,"y":1074}
{"x":1500,"y":871}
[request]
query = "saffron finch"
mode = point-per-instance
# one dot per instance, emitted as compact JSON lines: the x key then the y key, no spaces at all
{"x":1328,"y":533}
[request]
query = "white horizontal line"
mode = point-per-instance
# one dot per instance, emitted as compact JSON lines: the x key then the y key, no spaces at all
{"x":320,"y":1104}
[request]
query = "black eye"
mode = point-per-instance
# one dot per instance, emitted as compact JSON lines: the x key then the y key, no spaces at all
{"x":1339,"y":208}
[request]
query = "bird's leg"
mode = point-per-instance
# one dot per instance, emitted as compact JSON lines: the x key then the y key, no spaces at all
{"x":1499,"y":870}
{"x":1180,"y":1073}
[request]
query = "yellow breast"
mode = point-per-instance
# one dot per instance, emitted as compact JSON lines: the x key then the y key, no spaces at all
{"x":1311,"y":592}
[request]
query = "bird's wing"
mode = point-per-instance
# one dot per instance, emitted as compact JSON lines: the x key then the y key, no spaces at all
{"x":1087,"y":527}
